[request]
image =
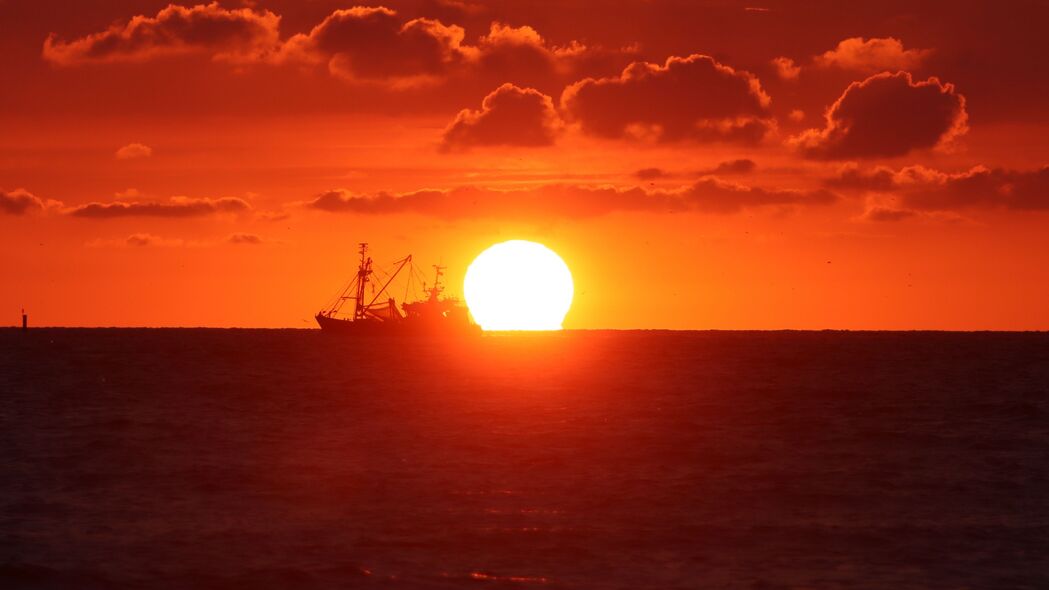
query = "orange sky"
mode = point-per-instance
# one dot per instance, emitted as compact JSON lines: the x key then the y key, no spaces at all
{"x":697,"y":164}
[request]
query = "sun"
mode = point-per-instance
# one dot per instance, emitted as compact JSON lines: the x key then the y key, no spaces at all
{"x":518,"y":285}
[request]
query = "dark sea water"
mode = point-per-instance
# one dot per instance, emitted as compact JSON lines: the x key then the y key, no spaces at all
{"x":257,"y":459}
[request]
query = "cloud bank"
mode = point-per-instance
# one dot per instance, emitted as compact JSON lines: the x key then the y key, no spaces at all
{"x":175,"y":207}
{"x":376,"y":45}
{"x":710,"y":195}
{"x":926,"y":189}
{"x":237,"y":35}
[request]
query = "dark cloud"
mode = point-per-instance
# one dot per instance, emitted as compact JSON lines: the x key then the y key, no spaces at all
{"x":886,"y":214}
{"x":851,"y":176}
{"x":176,"y":207}
{"x":709,"y":195}
{"x":508,"y":116}
{"x":19,"y":202}
{"x":239,"y":34}
{"x":741,"y":166}
{"x":727,"y":168}
{"x":872,"y":55}
{"x":473,"y":202}
{"x":921,"y":188}
{"x":650,"y":173}
{"x":363,"y":44}
{"x":715,"y":195}
{"x":389,"y":60}
{"x":887,"y":115}
{"x":142,"y":240}
{"x":377,"y":45}
{"x":992,"y":54}
{"x":244,"y":239}
{"x":981,"y":187}
{"x":687,"y":98}
{"x":522,"y":55}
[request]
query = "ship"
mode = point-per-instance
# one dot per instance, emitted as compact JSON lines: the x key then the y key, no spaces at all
{"x":375,"y":310}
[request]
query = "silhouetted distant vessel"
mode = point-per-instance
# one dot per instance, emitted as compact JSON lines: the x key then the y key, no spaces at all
{"x":377,"y":311}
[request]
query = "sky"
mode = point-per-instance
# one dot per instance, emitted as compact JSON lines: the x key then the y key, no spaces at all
{"x":698,"y":165}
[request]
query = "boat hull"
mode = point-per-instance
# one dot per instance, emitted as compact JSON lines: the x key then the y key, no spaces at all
{"x":336,"y":325}
{"x":404,"y":326}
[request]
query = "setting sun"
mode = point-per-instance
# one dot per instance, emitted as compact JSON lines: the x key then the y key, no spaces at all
{"x":518,"y":285}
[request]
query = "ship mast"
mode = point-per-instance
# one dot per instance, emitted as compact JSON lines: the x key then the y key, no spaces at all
{"x":437,"y":288}
{"x":363,"y":272}
{"x":362,"y":306}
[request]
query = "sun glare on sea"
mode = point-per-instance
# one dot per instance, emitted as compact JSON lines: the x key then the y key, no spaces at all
{"x":518,"y":285}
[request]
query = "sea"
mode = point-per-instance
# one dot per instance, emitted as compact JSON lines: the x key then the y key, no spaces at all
{"x":293,"y":459}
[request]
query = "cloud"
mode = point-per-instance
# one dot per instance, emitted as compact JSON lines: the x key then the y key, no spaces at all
{"x":887,"y":214}
{"x":786,"y":69}
{"x":226,"y":34}
{"x":175,"y":207}
{"x":892,"y":213}
{"x":726,"y":168}
{"x":851,"y":176}
{"x":272,"y":216}
{"x":710,"y":195}
{"x":475,"y":202}
{"x":134,"y":150}
{"x":363,"y":45}
{"x":927,"y":189}
{"x":650,"y":173}
{"x":148,"y":240}
{"x":376,"y":45}
{"x":20,"y":202}
{"x":982,"y":187}
{"x":142,"y":240}
{"x":509,"y":115}
{"x":246,"y":239}
{"x":687,"y":98}
{"x":887,"y":115}
{"x":741,"y":166}
{"x":872,"y":55}
{"x":523,"y":54}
